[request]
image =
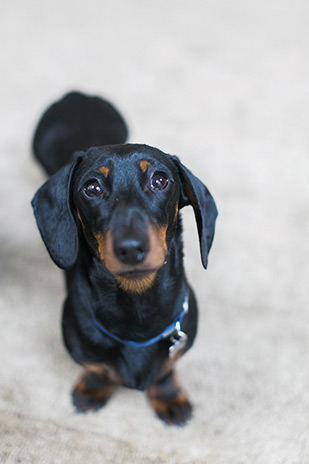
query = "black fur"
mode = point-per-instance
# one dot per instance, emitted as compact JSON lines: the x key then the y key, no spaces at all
{"x":123,"y":201}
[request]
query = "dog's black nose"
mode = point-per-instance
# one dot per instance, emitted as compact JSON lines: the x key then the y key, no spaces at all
{"x":131,"y":250}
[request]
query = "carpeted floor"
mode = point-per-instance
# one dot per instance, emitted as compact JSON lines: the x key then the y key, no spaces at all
{"x":225,"y":86}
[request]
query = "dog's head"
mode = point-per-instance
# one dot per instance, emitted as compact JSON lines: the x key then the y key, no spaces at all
{"x":125,"y":200}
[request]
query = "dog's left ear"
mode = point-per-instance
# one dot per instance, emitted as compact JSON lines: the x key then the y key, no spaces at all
{"x":52,"y":210}
{"x":195,"y":193}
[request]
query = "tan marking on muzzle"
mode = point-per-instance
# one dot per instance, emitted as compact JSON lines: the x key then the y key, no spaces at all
{"x":80,"y":220}
{"x":100,"y":238}
{"x":137,"y":285}
{"x":79,"y":217}
{"x":160,"y":233}
{"x":176,"y":212}
{"x":154,"y":260}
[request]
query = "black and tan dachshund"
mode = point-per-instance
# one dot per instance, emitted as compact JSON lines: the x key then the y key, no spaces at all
{"x":109,"y":216}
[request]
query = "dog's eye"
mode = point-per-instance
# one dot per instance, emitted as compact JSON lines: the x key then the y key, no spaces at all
{"x":159,"y":181}
{"x":93,"y":189}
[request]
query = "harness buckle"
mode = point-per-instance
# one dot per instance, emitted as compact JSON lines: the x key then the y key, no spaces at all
{"x":179,"y":340}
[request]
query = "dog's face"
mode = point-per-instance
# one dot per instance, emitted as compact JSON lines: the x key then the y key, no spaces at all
{"x":125,"y":199}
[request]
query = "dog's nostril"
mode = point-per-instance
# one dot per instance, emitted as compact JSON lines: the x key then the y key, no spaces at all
{"x":130,"y":251}
{"x":140,"y":255}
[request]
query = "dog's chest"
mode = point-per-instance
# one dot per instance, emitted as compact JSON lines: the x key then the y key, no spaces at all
{"x":139,"y":367}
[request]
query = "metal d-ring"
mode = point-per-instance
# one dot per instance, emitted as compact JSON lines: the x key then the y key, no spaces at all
{"x":179,"y":340}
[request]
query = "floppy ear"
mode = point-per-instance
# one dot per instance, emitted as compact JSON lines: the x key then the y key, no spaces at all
{"x":52,"y":210}
{"x":196,"y":194}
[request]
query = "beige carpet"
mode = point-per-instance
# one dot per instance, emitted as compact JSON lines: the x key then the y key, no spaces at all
{"x":224,"y":85}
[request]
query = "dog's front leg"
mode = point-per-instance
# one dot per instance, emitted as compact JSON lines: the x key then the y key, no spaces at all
{"x":93,"y":389}
{"x":169,"y":400}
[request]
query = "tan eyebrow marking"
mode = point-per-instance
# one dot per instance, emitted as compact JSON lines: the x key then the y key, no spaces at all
{"x":104,"y":170}
{"x":144,"y":164}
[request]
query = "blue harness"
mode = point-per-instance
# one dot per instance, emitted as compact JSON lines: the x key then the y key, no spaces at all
{"x":177,"y":337}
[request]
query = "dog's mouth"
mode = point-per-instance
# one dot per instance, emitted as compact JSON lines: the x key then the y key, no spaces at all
{"x":134,"y":277}
{"x":136,"y":274}
{"x":137,"y":281}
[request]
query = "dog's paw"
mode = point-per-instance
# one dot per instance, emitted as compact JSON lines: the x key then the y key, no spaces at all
{"x":169,"y":401}
{"x":174,"y":412}
{"x":91,"y":393}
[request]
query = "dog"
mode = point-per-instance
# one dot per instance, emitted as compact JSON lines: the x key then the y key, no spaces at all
{"x":109,"y":215}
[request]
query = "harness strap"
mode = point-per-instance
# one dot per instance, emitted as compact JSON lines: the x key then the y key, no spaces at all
{"x":173,"y":330}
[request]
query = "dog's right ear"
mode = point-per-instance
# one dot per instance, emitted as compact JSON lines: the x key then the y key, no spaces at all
{"x":195,"y":193}
{"x":53,"y":213}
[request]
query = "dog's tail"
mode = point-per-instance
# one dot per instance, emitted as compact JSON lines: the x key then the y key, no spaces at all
{"x":76,"y":123}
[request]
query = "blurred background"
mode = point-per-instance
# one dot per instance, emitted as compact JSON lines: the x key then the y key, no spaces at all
{"x":224,"y":86}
